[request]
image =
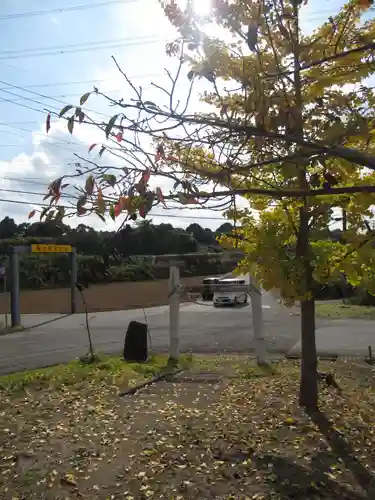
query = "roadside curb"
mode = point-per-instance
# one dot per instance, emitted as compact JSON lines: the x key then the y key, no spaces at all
{"x":12,"y":329}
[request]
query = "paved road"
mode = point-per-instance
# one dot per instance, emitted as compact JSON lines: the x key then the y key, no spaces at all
{"x":343,"y":337}
{"x":202,"y":329}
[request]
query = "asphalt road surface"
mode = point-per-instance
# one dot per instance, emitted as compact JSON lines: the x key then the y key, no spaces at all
{"x":203,"y":328}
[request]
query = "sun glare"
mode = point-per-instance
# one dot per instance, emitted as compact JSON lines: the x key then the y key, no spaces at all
{"x":202,"y":7}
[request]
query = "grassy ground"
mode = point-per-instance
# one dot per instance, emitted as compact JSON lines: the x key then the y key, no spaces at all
{"x":107,"y":369}
{"x":342,"y":311}
{"x":234,"y":432}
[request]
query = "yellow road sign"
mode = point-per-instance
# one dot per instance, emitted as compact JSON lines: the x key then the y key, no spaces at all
{"x":43,"y":248}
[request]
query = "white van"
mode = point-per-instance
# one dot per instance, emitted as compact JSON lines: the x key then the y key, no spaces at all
{"x":229,"y":296}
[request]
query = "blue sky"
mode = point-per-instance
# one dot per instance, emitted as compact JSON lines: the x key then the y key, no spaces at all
{"x":79,"y":43}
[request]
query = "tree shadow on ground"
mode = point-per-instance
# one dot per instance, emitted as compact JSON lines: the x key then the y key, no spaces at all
{"x":295,"y":481}
{"x":344,"y":450}
{"x":292,"y":481}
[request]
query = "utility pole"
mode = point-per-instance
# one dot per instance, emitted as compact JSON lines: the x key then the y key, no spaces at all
{"x":174,"y":312}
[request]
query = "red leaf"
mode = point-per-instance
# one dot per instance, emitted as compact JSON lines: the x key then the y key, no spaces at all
{"x":48,"y":122}
{"x":92,"y":147}
{"x":118,"y":208}
{"x":171,"y":158}
{"x":159,"y":195}
{"x":119,"y":137}
{"x":31,"y":214}
{"x":142,"y":212}
{"x":187,"y":199}
{"x":146,"y":176}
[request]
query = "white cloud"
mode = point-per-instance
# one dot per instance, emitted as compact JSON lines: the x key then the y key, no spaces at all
{"x":52,"y":157}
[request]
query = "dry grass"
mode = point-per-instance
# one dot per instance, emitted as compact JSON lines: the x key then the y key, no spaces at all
{"x":240,"y":436}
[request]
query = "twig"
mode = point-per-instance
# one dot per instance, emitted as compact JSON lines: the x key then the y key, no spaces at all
{"x":80,"y":289}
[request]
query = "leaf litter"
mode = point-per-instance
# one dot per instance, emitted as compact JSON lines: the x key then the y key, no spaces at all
{"x":241,"y":437}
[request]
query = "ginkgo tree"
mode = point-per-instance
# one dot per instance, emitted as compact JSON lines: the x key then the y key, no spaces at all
{"x":290,"y":128}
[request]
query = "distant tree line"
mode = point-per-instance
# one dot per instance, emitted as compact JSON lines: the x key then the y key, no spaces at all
{"x":109,"y":255}
{"x":144,"y":239}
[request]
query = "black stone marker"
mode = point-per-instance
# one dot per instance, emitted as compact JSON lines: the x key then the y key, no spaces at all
{"x":135,"y":345}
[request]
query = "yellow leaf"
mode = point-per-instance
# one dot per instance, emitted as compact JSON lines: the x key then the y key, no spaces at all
{"x":69,"y":479}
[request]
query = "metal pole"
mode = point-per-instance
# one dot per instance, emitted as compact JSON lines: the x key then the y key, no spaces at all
{"x":257,"y":312}
{"x":73,"y":281}
{"x":6,"y":298}
{"x":174,"y":312}
{"x":15,"y":311}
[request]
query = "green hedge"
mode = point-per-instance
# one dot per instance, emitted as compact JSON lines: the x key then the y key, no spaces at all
{"x":50,"y":270}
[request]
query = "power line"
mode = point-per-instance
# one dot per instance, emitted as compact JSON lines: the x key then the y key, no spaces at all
{"x":60,"y":142}
{"x":73,"y":8}
{"x":78,"y":94}
{"x":44,"y":97}
{"x":90,"y":48}
{"x":72,"y":143}
{"x":66,"y":195}
{"x":11,"y":52}
{"x":31,"y":100}
{"x":82,"y":82}
{"x":83,"y":47}
{"x":27,"y":181}
{"x":58,"y":10}
{"x":44,"y":112}
{"x":194,"y":217}
{"x":22,"y":105}
{"x":20,"y":202}
{"x":169,"y":216}
{"x":19,"y":191}
{"x":13,"y":124}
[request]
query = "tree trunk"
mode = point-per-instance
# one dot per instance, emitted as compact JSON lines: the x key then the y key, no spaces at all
{"x":308,"y":395}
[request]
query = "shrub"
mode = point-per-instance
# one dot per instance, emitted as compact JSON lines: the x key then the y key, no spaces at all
{"x":335,"y":290}
{"x":361,"y":297}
